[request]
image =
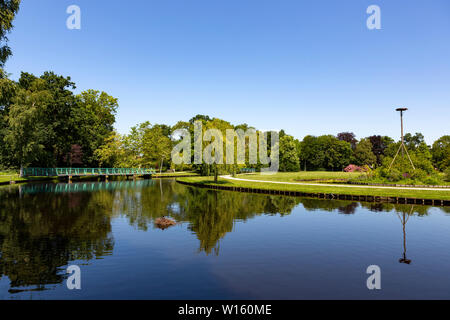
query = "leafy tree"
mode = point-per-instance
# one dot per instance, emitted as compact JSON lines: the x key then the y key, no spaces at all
{"x":222,"y":126}
{"x":379,"y":146}
{"x":441,"y":153}
{"x":93,"y":119}
{"x":27,"y":133}
{"x":289,"y":159}
{"x":8,"y":10}
{"x":112,"y":153}
{"x":156,"y":146}
{"x":203,"y":118}
{"x":7,"y":93}
{"x":349,"y":137}
{"x":40,"y":129}
{"x":325,"y":153}
{"x":413,"y":142}
{"x":363,"y":154}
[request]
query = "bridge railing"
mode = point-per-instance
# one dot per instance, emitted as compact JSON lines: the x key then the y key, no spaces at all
{"x":52,"y":172}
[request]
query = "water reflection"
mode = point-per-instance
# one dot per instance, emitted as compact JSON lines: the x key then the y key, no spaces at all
{"x":40,"y":234}
{"x":46,"y":226}
{"x":404,"y":219}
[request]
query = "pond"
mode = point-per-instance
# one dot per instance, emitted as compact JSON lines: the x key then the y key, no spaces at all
{"x":225,"y":245}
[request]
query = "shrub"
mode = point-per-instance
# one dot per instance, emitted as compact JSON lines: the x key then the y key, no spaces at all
{"x":431,"y":180}
{"x":355,"y":168}
{"x":447,"y":174}
{"x":394,"y":175}
{"x":419,"y":175}
{"x":351,"y":168}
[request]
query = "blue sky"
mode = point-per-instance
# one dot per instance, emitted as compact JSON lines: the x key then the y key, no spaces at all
{"x":309,"y":67}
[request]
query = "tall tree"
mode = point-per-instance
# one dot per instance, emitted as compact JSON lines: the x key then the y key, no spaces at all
{"x":363,"y":154}
{"x":325,"y":153}
{"x":7,"y":93}
{"x":441,"y":153}
{"x":349,"y":137}
{"x":112,"y":153}
{"x":379,"y":146}
{"x":414,"y":141}
{"x":289,"y":160}
{"x":27,"y":133}
{"x":8,"y":10}
{"x":156,"y":147}
{"x":93,"y":119}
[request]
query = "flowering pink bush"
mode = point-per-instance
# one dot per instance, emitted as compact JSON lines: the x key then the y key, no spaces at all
{"x":355,"y":168}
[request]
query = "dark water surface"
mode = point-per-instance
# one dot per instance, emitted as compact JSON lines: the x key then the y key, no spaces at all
{"x":226,"y":245}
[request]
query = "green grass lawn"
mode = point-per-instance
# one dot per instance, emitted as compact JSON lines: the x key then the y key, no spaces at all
{"x":8,"y":178}
{"x":364,"y":191}
{"x":304,"y":175}
{"x":14,"y":176}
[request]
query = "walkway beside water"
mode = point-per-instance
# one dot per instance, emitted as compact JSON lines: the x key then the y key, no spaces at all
{"x":228,"y":177}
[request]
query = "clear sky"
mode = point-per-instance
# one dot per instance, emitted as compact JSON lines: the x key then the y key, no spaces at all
{"x":309,"y":67}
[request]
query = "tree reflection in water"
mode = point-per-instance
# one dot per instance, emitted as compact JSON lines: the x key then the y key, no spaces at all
{"x":41,"y":233}
{"x":44,"y":227}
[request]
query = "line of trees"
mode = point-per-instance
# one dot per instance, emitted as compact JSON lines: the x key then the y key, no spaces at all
{"x":43,"y":123}
{"x":335,"y":153}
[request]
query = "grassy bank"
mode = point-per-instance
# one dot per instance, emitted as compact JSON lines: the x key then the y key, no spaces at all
{"x":329,"y":177}
{"x":7,"y":177}
{"x":362,"y":191}
{"x":304,"y":175}
{"x":10,"y":176}
{"x":175,"y":174}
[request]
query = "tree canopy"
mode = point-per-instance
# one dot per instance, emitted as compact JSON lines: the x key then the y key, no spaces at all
{"x":8,"y":10}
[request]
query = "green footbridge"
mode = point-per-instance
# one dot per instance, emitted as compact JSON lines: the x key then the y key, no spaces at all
{"x":86,"y":172}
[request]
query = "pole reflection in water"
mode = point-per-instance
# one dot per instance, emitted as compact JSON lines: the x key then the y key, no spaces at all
{"x":404,"y":219}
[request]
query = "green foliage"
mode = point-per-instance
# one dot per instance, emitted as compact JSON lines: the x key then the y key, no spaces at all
{"x":441,"y":153}
{"x":112,"y":154}
{"x":363,"y":154}
{"x":156,"y":146}
{"x":8,"y":10}
{"x":27,"y":133}
{"x":379,"y":146}
{"x":145,"y":146}
{"x":42,"y":123}
{"x":325,"y":152}
{"x":289,"y":160}
{"x":447,"y":174}
{"x":403,"y":173}
{"x":93,"y":119}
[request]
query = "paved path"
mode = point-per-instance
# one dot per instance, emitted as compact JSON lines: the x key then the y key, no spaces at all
{"x":336,"y":185}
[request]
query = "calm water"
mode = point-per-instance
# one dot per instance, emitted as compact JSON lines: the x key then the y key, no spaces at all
{"x":225,"y":246}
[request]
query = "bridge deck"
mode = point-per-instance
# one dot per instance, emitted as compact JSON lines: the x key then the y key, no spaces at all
{"x":83,"y":172}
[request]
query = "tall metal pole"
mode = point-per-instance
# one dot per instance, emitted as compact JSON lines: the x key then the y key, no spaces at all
{"x":403,"y":140}
{"x":402,"y":143}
